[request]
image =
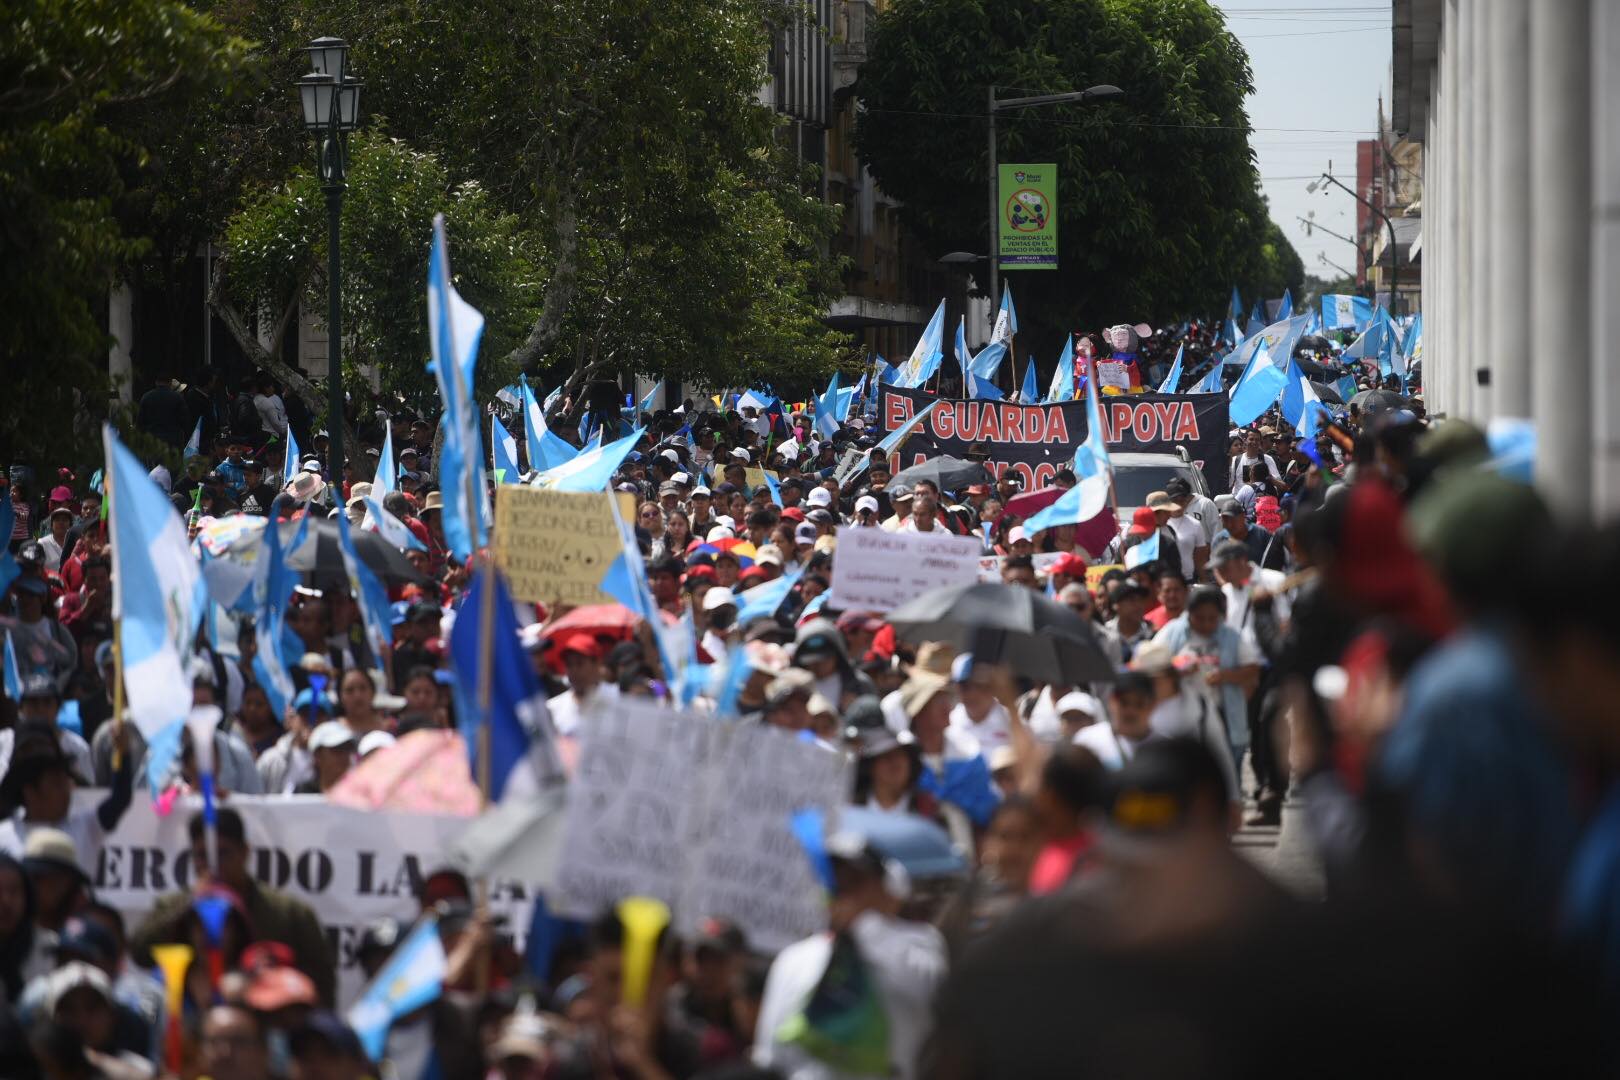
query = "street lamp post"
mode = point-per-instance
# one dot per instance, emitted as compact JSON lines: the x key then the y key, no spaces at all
{"x":330,"y":97}
{"x":1394,"y":249}
{"x":994,"y":106}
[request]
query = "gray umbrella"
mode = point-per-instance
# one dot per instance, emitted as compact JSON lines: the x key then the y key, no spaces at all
{"x":321,"y":555}
{"x":1008,"y":624}
{"x":1378,"y":400}
{"x":949,"y":473}
{"x":1327,"y":393}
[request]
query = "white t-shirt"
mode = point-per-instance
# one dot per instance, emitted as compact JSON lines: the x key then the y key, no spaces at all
{"x":81,"y":824}
{"x":1237,"y":597}
{"x":272,"y":413}
{"x":1243,"y":461}
{"x":565,"y":708}
{"x":1111,"y":748}
{"x":991,"y":732}
{"x":1189,"y":535}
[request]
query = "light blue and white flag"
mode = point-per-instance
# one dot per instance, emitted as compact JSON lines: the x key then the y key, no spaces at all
{"x":977,"y":383}
{"x":1296,"y":393}
{"x":1234,"y":310}
{"x":278,"y":646}
{"x":592,"y":469}
{"x":413,"y":977}
{"x":1029,"y":393}
{"x":626,"y":582}
{"x":1006,"y":319}
{"x":1062,"y":386}
{"x":369,"y":595}
{"x":387,"y":478}
{"x":193,"y":444}
{"x":764,"y":600}
{"x":827,"y":409}
{"x":158,"y":592}
{"x":1257,"y":388}
{"x":1212,"y":381}
{"x":1231,"y":335}
{"x":927,"y":354}
{"x":13,"y":674}
{"x":389,"y":527}
{"x":646,"y":403}
{"x":289,"y":464}
{"x":454,"y":330}
{"x":1311,"y":414}
{"x":1142,"y":554}
{"x":759,"y":399}
{"x":1344,"y":312}
{"x":1172,"y":381}
{"x":1092,"y":468}
{"x":1285,"y":307}
{"x":503,"y":452}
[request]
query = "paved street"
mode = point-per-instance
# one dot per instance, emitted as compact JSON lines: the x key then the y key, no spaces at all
{"x":1285,"y":852}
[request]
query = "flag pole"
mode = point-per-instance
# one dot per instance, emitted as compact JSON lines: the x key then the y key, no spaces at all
{"x":118,"y":637}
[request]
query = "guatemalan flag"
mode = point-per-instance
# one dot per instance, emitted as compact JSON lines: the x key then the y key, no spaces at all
{"x":1092,"y":468}
{"x":1006,"y":319}
{"x":454,"y":329}
{"x":1062,"y":386}
{"x":158,"y":593}
{"x":925,"y":358}
{"x":413,"y":977}
{"x":1342,"y":312}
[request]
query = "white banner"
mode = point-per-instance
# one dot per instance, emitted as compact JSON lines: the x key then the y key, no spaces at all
{"x":877,"y":570}
{"x":350,"y":866}
{"x":695,"y":812}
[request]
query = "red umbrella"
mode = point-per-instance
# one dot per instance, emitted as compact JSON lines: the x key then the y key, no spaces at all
{"x":598,"y":620}
{"x":1093,"y":535}
{"x":1033,"y":502}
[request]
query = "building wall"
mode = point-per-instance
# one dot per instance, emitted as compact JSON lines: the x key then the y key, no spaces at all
{"x":1517,"y":105}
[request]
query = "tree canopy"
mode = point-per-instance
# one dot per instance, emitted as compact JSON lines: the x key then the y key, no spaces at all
{"x":1159,"y":208}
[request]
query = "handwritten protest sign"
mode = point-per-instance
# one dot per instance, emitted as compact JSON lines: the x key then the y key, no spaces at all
{"x":877,"y":570}
{"x":755,"y":478}
{"x":555,"y":546}
{"x":350,"y":866}
{"x":695,"y":812}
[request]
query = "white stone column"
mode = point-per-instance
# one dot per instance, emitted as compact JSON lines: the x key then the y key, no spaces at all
{"x":1560,"y":250}
{"x":121,"y":325}
{"x":1455,"y":252}
{"x":1509,"y":347}
{"x":1487,"y":92}
{"x":1605,"y":294}
{"x":1470,"y":87}
{"x":1431,"y":238}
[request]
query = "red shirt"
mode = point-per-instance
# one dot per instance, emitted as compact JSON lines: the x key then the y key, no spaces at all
{"x":1157,"y":617}
{"x":1056,"y":862}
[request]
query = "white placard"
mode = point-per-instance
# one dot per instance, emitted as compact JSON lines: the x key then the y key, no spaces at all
{"x":877,"y":570}
{"x":350,"y":866}
{"x":695,"y":811}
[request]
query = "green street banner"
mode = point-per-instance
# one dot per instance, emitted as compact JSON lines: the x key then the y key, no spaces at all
{"x":1027,"y":235}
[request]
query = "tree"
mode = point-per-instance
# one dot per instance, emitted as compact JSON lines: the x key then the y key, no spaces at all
{"x":665,"y":229}
{"x":1158,"y":208}
{"x":74,"y":70}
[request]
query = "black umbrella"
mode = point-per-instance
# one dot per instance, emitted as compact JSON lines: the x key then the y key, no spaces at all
{"x":947,"y":473}
{"x":1327,"y":393}
{"x":321,"y":555}
{"x":1008,"y":624}
{"x":1377,"y":400}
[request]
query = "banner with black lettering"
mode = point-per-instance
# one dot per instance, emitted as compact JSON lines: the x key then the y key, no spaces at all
{"x":1035,"y":441}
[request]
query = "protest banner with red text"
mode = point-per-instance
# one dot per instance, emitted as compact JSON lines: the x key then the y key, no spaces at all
{"x":1035,"y":441}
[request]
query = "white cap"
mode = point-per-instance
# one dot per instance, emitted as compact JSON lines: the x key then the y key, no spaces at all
{"x":330,"y":734}
{"x":669,"y":455}
{"x":727,"y":521}
{"x":768,"y":555}
{"x":1081,"y":702}
{"x":375,"y":740}
{"x":789,"y":451}
{"x":805,"y":534}
{"x":680,"y":478}
{"x":856,"y":422}
{"x":819,"y":496}
{"x":865,"y":502}
{"x":741,"y":454}
{"x":1016,"y":534}
{"x":719,"y":532}
{"x":718,"y":596}
{"x":702,"y":489}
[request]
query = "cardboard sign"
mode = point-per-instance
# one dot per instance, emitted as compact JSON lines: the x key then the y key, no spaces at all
{"x":1094,"y":575}
{"x":755,"y":478}
{"x":556,"y":546}
{"x":696,"y":813}
{"x":878,"y":570}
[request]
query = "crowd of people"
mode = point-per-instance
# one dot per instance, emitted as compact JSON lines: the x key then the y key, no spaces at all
{"x":1379,"y":630}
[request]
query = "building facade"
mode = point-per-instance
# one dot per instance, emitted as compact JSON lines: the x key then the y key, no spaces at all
{"x":1516,"y":107}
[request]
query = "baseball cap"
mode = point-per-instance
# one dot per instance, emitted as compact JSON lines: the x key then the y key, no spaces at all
{"x":899,"y":493}
{"x":720,"y":532}
{"x":866,"y":502}
{"x":279,"y":987}
{"x":581,"y":643}
{"x":1152,"y":658}
{"x":820,"y":515}
{"x":793,"y":513}
{"x":1016,"y":534}
{"x":805,"y":533}
{"x":375,"y":740}
{"x":52,"y":849}
{"x":768,"y":555}
{"x":1177,"y":487}
{"x":330,"y":735}
{"x":1227,"y":506}
{"x":701,"y":492}
{"x":719,"y":596}
{"x":819,"y":496}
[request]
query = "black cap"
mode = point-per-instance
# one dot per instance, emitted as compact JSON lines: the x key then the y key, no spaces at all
{"x":31,"y":552}
{"x":1177,"y":486}
{"x":327,"y":1029}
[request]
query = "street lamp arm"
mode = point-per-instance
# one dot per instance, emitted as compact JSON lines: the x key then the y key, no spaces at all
{"x":1056,"y":99}
{"x":1394,"y":249}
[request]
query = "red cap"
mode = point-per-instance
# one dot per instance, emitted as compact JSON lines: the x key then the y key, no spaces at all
{"x":278,"y":987}
{"x":1143,"y":523}
{"x":1069,"y":565}
{"x":753,"y":573}
{"x":699,"y":572}
{"x":793,"y":513}
{"x":582,"y":643}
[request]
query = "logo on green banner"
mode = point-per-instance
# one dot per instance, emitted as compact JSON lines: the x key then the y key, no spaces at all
{"x":1027,"y":237}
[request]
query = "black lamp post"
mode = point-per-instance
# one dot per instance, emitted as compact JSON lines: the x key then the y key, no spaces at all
{"x":331,"y":100}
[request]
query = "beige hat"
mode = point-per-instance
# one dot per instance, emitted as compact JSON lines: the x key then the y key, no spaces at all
{"x":768,"y":555}
{"x":54,"y":848}
{"x":788,"y":682}
{"x":935,"y":656}
{"x":306,"y":486}
{"x":1152,"y":658}
{"x":1160,"y":500}
{"x":434,"y":501}
{"x":920,"y":689}
{"x":358,"y":494}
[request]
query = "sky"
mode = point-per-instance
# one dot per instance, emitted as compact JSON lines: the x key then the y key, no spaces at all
{"x":1318,"y":71}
